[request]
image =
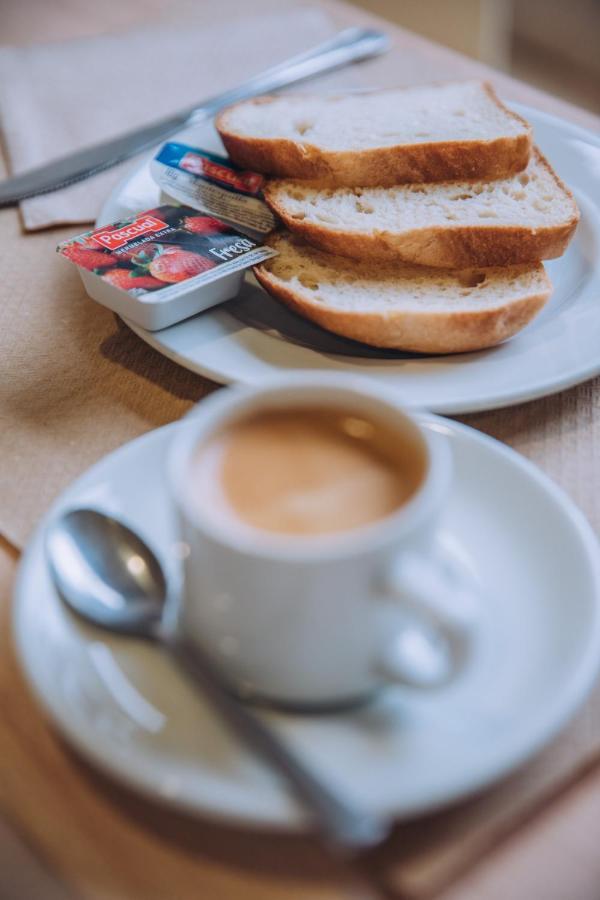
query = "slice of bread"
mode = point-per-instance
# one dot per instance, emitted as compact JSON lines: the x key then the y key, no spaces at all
{"x":433,"y":132}
{"x":521,"y":219}
{"x":401,"y":307}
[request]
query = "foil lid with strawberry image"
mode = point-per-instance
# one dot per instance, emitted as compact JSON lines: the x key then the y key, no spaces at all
{"x":160,"y":248}
{"x":163,"y":265}
{"x":212,"y":184}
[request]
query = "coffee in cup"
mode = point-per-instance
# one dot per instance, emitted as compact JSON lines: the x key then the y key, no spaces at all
{"x":306,"y":471}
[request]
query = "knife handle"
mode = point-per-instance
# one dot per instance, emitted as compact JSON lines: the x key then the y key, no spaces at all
{"x":350,"y":45}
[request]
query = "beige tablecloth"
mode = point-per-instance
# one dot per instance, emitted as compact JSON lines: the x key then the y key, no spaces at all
{"x":74,"y":384}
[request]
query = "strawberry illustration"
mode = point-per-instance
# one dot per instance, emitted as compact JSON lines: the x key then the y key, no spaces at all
{"x":203,"y":225}
{"x":127,"y":280}
{"x":174,"y":265}
{"x":88,"y":258}
{"x":142,"y":254}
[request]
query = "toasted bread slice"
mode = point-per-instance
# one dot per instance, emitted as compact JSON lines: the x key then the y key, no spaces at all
{"x":454,"y":130}
{"x":401,"y":307}
{"x":521,"y":219}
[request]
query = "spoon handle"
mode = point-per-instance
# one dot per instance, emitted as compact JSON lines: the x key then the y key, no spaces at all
{"x":341,"y":823}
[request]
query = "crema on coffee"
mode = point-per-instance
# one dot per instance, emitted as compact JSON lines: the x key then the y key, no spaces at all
{"x":306,"y":471}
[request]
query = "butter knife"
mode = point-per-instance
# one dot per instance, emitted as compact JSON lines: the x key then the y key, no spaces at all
{"x":350,"y":45}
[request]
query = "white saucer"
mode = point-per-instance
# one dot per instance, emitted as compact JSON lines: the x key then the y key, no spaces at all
{"x":126,"y":708}
{"x":254,"y":336}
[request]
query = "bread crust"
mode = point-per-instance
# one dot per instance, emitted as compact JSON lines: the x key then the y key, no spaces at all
{"x":379,"y":166}
{"x":419,"y":332}
{"x":447,"y":246}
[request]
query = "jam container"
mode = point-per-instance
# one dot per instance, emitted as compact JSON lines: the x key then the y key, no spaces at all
{"x":163,"y":265}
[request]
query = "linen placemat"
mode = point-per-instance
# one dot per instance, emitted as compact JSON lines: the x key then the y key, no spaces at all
{"x":60,"y":97}
{"x":423,"y":857}
{"x":75,"y":383}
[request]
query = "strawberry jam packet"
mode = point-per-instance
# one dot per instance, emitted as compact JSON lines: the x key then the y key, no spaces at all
{"x":214,"y":185}
{"x":163,"y":265}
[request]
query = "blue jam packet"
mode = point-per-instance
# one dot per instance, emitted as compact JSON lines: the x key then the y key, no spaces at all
{"x":212,"y":184}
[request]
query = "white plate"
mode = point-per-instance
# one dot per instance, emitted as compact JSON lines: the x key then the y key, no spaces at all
{"x":253,"y":336}
{"x":126,"y":708}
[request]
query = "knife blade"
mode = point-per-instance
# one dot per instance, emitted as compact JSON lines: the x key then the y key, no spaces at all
{"x":350,"y":45}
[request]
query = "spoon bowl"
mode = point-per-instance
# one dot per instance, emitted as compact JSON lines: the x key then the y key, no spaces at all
{"x":105,"y":572}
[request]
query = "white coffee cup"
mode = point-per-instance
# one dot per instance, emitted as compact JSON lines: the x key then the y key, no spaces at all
{"x":320,"y":620}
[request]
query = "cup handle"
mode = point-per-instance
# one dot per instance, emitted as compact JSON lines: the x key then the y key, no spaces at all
{"x":434,"y":614}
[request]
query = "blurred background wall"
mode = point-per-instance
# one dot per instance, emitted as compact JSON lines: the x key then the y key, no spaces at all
{"x":553,"y":44}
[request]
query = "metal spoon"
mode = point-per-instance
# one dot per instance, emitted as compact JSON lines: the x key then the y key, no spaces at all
{"x":108,"y":575}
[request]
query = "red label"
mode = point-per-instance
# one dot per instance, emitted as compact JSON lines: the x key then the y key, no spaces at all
{"x":242,"y":181}
{"x":113,"y":239}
